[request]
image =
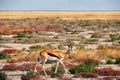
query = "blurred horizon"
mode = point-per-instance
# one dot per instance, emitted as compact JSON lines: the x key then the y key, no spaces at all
{"x":59,"y":10}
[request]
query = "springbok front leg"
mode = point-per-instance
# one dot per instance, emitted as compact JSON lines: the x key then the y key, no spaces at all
{"x":57,"y":65}
{"x":63,"y":66}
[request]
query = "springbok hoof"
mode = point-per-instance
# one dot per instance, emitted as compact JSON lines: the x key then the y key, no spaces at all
{"x":35,"y":71}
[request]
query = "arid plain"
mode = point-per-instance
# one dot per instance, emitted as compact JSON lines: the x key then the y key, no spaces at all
{"x":94,"y":35}
{"x":63,"y":15}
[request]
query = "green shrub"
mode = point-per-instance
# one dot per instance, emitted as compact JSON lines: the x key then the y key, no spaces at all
{"x":4,"y":56}
{"x":82,"y":68}
{"x":117,"y":60}
{"x":1,"y":38}
{"x":91,"y":62}
{"x":59,"y":70}
{"x":74,"y":32}
{"x":95,"y":36}
{"x":21,"y":35}
{"x":36,"y":47}
{"x":3,"y":76}
{"x":31,"y":72}
{"x":109,"y":62}
{"x":117,"y":22}
{"x":91,"y":41}
{"x":114,"y":37}
{"x":4,"y":39}
{"x":29,"y":76}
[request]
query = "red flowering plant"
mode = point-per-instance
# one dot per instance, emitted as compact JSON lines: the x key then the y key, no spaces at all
{"x":9,"y":51}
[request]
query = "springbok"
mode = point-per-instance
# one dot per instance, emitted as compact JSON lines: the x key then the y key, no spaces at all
{"x":45,"y":55}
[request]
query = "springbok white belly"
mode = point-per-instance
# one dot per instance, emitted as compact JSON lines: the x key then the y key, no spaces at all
{"x":52,"y":58}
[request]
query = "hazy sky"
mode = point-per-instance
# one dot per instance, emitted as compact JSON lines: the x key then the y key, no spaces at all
{"x":60,"y":5}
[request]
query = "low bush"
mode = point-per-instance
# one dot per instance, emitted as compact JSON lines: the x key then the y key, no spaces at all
{"x":108,"y":72}
{"x":31,"y":72}
{"x":26,"y":67}
{"x":91,"y":41}
{"x":23,"y":67}
{"x":1,"y":38}
{"x":5,"y":39}
{"x":109,"y":62}
{"x":60,"y":70}
{"x":82,"y":68}
{"x":4,"y":56}
{"x":21,"y":35}
{"x":114,"y":37}
{"x":31,"y":75}
{"x":9,"y":51}
{"x":95,"y":36}
{"x":3,"y":76}
{"x":117,"y":60}
{"x":91,"y":62}
{"x":36,"y":47}
{"x":86,"y":75}
{"x":10,"y":67}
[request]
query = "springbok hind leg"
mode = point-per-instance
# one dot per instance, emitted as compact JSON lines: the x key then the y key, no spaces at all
{"x":37,"y":63}
{"x":44,"y":67}
{"x":44,"y":71}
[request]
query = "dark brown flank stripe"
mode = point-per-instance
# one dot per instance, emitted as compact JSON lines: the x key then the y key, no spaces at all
{"x":53,"y":55}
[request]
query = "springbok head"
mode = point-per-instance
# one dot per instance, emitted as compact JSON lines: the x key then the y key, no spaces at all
{"x":71,"y":49}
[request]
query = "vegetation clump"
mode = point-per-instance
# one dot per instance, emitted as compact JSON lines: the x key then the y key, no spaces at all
{"x":95,"y":36}
{"x":109,"y":62}
{"x":4,"y":56}
{"x":82,"y":68}
{"x":114,"y":37}
{"x":36,"y":47}
{"x":60,"y":70}
{"x":3,"y":76}
{"x":21,"y":35}
{"x":108,"y":72}
{"x":86,"y":75}
{"x":88,"y":67}
{"x":91,"y":62}
{"x":9,"y":51}
{"x":117,"y":60}
{"x":31,"y":75}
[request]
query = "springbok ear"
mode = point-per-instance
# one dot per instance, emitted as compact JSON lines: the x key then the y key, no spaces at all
{"x":70,"y":46}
